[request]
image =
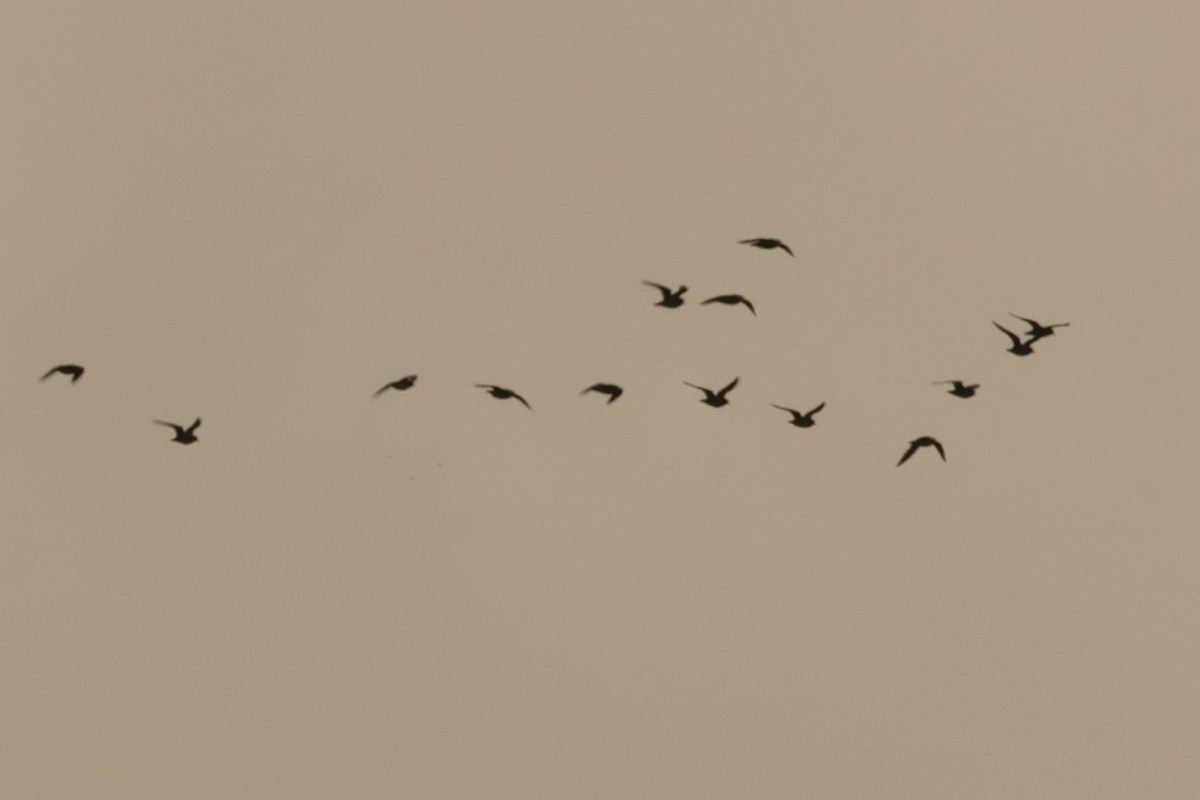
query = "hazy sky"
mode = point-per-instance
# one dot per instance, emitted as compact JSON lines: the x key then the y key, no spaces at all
{"x":259,"y":213}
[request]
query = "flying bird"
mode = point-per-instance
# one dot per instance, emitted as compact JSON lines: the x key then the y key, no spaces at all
{"x":917,"y":444}
{"x":798,"y":419}
{"x":611,"y":389}
{"x":669,"y":299}
{"x":1018,"y":348}
{"x":960,"y":389}
{"x":730,"y":300}
{"x":182,"y":435}
{"x":768,"y":244}
{"x":503,"y":394}
{"x":1037,"y":330}
{"x":714,"y":399}
{"x":74,"y":370}
{"x":404,"y":383}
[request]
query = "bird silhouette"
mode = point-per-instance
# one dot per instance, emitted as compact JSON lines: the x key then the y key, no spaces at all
{"x":404,"y":383}
{"x":768,"y":244}
{"x":611,"y":389}
{"x":74,"y":370}
{"x":503,"y":394}
{"x":798,"y":419}
{"x":730,"y":300}
{"x":669,"y":299}
{"x":714,"y":399}
{"x":917,"y":444}
{"x":182,"y":435}
{"x":960,"y":389}
{"x":1018,"y":348}
{"x":1036,"y":329}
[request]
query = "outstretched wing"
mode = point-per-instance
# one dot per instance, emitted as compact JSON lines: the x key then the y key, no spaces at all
{"x":665,"y":291}
{"x":815,"y":410}
{"x":1032,"y":322}
{"x":748,"y":305}
{"x":732,"y":384}
{"x":384,"y":389}
{"x":178,"y":428}
{"x":938,"y":446}
{"x":1016,"y":340}
{"x":786,"y":249}
{"x":522,"y":399}
{"x":912,"y":448}
{"x":193,"y":426}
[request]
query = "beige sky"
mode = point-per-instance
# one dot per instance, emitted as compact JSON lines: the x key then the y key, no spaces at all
{"x":260,"y":213}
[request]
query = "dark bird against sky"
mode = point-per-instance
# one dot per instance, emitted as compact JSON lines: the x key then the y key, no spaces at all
{"x":714,"y":399}
{"x":74,"y":370}
{"x":768,"y":244}
{"x":611,"y":389}
{"x":503,"y":394}
{"x":404,"y":383}
{"x":917,"y":444}
{"x":1036,"y":329}
{"x":1018,"y":348}
{"x":960,"y":389}
{"x":182,"y":435}
{"x":798,"y":419}
{"x":670,"y":299}
{"x":730,"y":300}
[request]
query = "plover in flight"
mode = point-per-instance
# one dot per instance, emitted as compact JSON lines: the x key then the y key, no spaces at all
{"x":917,"y":444}
{"x":768,"y":244}
{"x":714,"y":399}
{"x":182,"y":435}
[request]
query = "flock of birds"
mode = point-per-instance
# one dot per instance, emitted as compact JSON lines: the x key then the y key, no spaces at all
{"x":674,"y":299}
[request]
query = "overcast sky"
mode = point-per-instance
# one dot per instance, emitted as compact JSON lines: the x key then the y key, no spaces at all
{"x":259,"y":213}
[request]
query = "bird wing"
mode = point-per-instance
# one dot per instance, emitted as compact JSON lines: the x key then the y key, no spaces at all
{"x":749,"y":241}
{"x":193,"y":426}
{"x":1016,"y":340}
{"x":178,"y":428}
{"x":1025,"y":319}
{"x":522,"y":399}
{"x":732,"y":384}
{"x":747,"y":304}
{"x":815,"y":410}
{"x":787,"y":249}
{"x":384,"y":389}
{"x":617,"y":391}
{"x":48,"y":374}
{"x":912,"y":448}
{"x":665,"y":291}
{"x":938,"y":446}
{"x":719,"y":298}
